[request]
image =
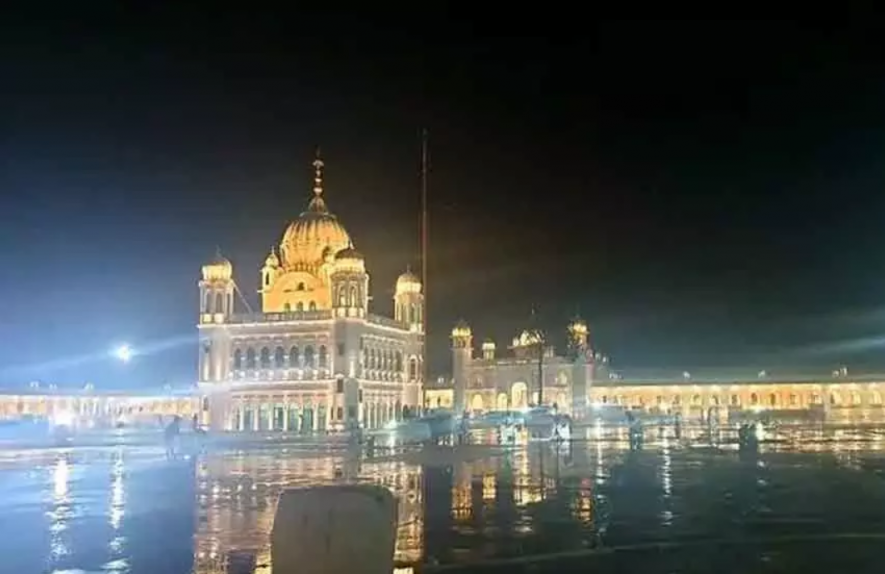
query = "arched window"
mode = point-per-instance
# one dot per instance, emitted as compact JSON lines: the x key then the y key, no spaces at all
{"x":342,"y":297}
{"x":294,"y":358}
{"x":300,"y":307}
{"x":772,"y":399}
{"x":279,"y":358}
{"x":308,"y":357}
{"x":219,"y":303}
{"x":300,"y":287}
{"x":413,"y":368}
{"x":265,"y":358}
{"x":312,"y":306}
{"x":250,"y":358}
{"x":754,"y":400}
{"x":354,"y":297}
{"x":323,"y":357}
{"x":399,"y":362}
{"x":207,"y":303}
{"x":287,"y":307}
{"x":238,"y":359}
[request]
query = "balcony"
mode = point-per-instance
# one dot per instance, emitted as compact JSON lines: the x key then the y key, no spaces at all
{"x":245,"y":318}
{"x":387,"y":322}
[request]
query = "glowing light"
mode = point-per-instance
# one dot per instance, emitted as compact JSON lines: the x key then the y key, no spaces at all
{"x":124,"y":353}
{"x":118,"y":495}
{"x":63,"y":418}
{"x":60,"y":475}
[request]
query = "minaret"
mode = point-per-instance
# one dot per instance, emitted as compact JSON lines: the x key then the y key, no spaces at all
{"x":216,"y":290}
{"x":350,"y":288}
{"x":350,"y":284}
{"x":582,"y":366}
{"x":408,"y":302}
{"x":216,"y":306}
{"x":269,"y":270}
{"x":462,"y":356}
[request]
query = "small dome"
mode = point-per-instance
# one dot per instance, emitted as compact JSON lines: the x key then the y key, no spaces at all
{"x":578,"y":327}
{"x":272,"y":259}
{"x":219,"y":269}
{"x":461,"y":330}
{"x":527,"y":339}
{"x":408,"y":282}
{"x":349,"y":253}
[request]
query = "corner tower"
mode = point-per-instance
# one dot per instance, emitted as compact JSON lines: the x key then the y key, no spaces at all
{"x":216,"y":306}
{"x":408,"y":302}
{"x":350,"y":284}
{"x":582,"y":366}
{"x":462,"y":357}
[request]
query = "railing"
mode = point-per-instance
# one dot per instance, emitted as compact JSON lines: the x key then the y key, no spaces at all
{"x":242,"y":318}
{"x":386,"y":322}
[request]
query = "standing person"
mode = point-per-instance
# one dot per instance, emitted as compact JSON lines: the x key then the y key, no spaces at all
{"x":171,"y":435}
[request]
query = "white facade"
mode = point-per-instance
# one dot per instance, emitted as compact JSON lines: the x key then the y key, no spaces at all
{"x":314,"y":358}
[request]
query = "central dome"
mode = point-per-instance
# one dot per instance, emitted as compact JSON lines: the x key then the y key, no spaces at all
{"x":315,"y":232}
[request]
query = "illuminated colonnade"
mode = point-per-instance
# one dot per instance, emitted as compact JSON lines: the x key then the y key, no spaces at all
{"x":698,"y":396}
{"x":305,"y":411}
{"x":113,"y":408}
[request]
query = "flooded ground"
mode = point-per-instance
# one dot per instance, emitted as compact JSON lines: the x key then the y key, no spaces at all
{"x":813,"y":499}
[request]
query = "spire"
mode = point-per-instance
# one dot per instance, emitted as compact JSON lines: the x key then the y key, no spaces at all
{"x":318,"y":174}
{"x":317,"y":205}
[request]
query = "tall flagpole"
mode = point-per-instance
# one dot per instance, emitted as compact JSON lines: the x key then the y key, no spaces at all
{"x":424,"y":248}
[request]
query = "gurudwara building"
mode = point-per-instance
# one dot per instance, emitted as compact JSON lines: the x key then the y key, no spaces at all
{"x":315,"y":357}
{"x":531,"y":373}
{"x":579,"y":382}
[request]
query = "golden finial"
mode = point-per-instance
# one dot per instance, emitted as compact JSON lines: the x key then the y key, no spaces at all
{"x":318,"y":174}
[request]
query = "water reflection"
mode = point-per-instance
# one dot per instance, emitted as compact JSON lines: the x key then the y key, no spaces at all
{"x":131,"y":510}
{"x":60,"y":511}
{"x":501,"y":505}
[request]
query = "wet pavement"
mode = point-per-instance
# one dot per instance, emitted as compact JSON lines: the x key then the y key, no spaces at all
{"x":812,"y":499}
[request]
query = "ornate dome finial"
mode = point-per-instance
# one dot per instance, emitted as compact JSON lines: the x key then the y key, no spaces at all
{"x":317,"y":205}
{"x":318,"y":173}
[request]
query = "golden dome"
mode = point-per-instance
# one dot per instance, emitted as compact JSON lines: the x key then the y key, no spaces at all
{"x":308,"y":239}
{"x":219,"y":269}
{"x":408,"y":282}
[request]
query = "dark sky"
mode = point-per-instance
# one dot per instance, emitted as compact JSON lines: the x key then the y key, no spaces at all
{"x":704,"y":194}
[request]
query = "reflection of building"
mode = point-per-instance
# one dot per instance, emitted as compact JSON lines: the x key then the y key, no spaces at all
{"x":533,"y":373}
{"x":314,"y":357}
{"x":237,"y":497}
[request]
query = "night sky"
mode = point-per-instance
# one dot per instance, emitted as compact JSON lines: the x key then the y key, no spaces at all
{"x":705,"y":195}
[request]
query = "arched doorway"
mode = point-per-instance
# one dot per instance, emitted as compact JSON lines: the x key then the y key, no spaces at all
{"x":502,"y":402}
{"x":519,"y":396}
{"x":476,"y":403}
{"x":307,"y":420}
